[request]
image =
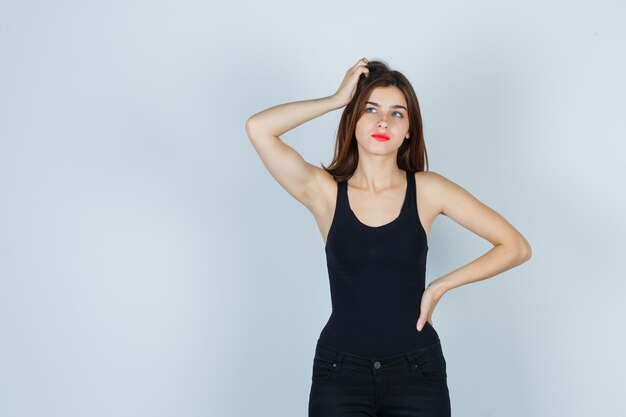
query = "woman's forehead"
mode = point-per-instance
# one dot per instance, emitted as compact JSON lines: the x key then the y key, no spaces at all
{"x":386,"y":96}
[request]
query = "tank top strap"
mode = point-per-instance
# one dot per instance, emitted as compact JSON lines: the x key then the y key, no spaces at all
{"x":410,"y":177}
{"x":341,"y":204}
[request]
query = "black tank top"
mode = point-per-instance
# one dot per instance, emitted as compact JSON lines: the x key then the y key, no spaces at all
{"x":377,"y":277}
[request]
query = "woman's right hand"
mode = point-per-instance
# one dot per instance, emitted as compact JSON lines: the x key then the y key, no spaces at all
{"x":348,"y":86}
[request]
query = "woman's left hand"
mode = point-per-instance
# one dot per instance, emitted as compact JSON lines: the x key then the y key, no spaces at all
{"x":430,"y":298}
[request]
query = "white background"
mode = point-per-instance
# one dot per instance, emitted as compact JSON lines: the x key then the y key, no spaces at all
{"x":151,"y":266}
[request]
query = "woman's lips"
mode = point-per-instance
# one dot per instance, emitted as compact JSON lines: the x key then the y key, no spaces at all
{"x":380,"y":137}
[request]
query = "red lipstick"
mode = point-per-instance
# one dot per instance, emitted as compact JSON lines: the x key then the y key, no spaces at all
{"x":380,"y":137}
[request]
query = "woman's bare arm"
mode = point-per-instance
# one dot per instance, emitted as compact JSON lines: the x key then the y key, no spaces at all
{"x":510,"y":247}
{"x":280,"y":119}
{"x":300,"y":178}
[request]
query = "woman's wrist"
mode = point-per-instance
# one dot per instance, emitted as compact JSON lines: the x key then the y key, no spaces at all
{"x":439,"y":287}
{"x":337,"y":101}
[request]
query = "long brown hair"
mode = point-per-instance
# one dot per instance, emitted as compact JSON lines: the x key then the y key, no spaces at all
{"x":412,"y":154}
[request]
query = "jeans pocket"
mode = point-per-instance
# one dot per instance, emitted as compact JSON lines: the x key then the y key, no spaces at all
{"x":431,"y":364}
{"x":322,"y":369}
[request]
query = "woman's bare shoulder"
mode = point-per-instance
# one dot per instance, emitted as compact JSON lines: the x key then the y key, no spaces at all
{"x":429,"y":179}
{"x":432,"y":188}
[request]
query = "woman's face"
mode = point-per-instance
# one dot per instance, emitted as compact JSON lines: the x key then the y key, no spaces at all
{"x":385,"y":112}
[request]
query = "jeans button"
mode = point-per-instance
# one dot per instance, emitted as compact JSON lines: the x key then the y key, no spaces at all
{"x":377,"y":365}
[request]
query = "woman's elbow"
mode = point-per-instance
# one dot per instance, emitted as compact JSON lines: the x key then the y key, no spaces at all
{"x":524,"y":250}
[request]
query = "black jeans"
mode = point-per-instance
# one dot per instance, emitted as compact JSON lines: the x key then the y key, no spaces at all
{"x":409,"y":385}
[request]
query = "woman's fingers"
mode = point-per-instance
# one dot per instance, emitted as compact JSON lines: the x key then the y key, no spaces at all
{"x":361,"y":63}
{"x":427,"y":306}
{"x":348,"y":86}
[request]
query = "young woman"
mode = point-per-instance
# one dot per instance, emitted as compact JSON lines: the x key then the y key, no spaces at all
{"x":379,"y":353}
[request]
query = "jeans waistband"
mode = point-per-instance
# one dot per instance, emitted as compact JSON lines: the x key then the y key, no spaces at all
{"x":331,"y":355}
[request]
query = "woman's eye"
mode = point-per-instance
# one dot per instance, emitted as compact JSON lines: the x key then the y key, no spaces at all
{"x":372,"y":108}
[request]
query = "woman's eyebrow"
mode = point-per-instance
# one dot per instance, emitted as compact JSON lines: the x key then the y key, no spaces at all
{"x":395,"y":106}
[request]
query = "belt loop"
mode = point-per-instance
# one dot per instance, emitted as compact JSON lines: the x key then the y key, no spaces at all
{"x":412,"y":362}
{"x":339,"y":360}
